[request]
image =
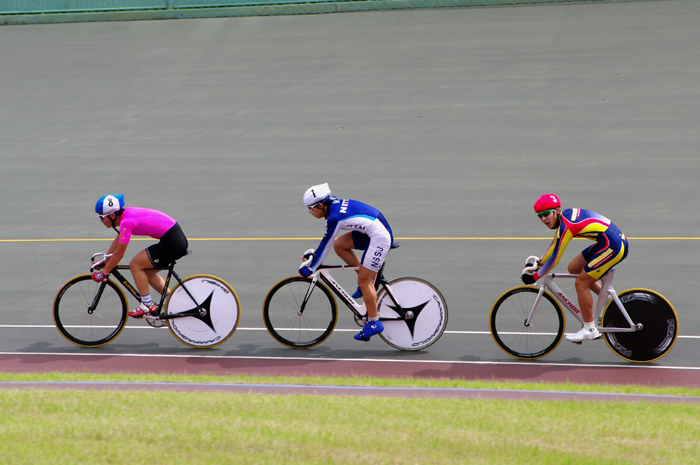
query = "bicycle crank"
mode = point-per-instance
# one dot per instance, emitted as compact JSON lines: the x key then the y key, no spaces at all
{"x":155,"y":322}
{"x":359,"y":321}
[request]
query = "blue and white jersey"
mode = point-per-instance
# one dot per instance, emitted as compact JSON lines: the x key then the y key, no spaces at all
{"x":350,"y":215}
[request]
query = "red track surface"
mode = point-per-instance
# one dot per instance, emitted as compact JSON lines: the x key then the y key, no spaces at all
{"x":644,"y":375}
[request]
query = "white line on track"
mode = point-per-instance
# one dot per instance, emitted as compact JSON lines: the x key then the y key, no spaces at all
{"x":375,"y":360}
{"x":265,"y":329}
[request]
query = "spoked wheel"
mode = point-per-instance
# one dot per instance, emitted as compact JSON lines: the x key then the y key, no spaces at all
{"x":218,"y":315}
{"x":531,"y":340}
{"x":293,"y":327}
{"x":89,"y":314}
{"x":658,"y":320}
{"x":425,"y":309}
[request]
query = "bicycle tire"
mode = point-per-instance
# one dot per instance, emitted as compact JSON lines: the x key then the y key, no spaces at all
{"x":208,"y":330}
{"x":659,"y":321}
{"x":75,"y":321}
{"x":429,"y":311}
{"x":280,"y":313}
{"x":507,"y":323}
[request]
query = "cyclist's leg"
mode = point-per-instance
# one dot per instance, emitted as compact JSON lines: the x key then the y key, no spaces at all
{"x":376,"y":249}
{"x":142,"y":270}
{"x":171,"y":247}
{"x":584,"y":284}
{"x":592,"y":263}
{"x":344,"y":246}
{"x":365,"y":281}
{"x":577,"y":265}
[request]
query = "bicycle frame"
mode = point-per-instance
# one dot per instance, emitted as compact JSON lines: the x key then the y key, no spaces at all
{"x":359,"y":310}
{"x":197,"y":311}
{"x":606,"y":293}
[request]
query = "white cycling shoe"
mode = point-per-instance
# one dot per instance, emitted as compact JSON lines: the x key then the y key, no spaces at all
{"x":583,"y":335}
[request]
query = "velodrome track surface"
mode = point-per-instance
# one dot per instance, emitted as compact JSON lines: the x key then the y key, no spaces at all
{"x":451,"y":122}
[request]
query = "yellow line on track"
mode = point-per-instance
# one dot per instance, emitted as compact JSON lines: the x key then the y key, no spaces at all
{"x":318,"y":238}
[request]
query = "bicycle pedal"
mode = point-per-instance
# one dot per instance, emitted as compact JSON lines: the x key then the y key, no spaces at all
{"x":576,"y":342}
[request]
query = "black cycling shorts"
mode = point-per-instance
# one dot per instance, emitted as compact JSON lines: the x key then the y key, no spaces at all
{"x":172,"y":246}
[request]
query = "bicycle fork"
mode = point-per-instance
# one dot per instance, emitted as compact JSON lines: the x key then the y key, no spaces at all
{"x":312,"y":285}
{"x":534,"y":306}
{"x":91,"y":309}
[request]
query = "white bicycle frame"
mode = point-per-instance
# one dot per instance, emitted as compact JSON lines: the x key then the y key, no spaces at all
{"x":324,"y":273}
{"x":606,"y":293}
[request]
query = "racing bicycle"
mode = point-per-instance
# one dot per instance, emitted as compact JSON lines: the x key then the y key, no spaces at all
{"x":302,"y":312}
{"x":527,"y":322}
{"x":201,"y":311}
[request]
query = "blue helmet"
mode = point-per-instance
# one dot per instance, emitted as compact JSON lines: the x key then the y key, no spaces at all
{"x":109,"y":204}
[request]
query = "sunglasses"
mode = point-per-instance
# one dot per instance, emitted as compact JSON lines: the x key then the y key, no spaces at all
{"x":102,"y":217}
{"x":545,"y":213}
{"x":312,"y":207}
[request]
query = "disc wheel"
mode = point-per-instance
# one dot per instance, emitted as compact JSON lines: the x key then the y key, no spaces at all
{"x":659,"y":326}
{"x":426,"y":312}
{"x":217,"y":319}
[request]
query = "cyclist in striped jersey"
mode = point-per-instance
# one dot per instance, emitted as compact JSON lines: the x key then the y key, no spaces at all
{"x":591,"y":264}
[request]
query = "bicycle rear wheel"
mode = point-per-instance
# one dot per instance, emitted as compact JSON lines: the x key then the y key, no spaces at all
{"x":534,"y":340}
{"x":218,"y":320}
{"x":428,"y":314}
{"x":89,"y":314}
{"x":659,"y":326}
{"x":284,"y":322}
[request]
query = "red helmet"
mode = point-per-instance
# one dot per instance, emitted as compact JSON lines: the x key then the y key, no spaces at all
{"x":547,"y":202}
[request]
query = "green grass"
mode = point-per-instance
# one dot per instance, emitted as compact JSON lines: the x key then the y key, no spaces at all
{"x":42,"y":426}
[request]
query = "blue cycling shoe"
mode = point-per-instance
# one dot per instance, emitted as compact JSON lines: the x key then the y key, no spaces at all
{"x":371,"y":328}
{"x":357,"y":294}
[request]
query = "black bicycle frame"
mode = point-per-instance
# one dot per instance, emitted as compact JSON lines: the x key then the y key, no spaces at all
{"x":125,"y":282}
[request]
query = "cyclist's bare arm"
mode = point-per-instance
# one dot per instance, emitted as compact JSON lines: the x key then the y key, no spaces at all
{"x":117,"y":250}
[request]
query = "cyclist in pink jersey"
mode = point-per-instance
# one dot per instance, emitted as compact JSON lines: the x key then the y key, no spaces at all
{"x":146,"y":264}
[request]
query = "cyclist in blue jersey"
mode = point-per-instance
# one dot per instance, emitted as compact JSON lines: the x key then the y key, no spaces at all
{"x":370,"y":232}
{"x":591,"y":264}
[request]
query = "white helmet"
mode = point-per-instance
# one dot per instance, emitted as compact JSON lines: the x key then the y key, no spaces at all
{"x":316,"y":194}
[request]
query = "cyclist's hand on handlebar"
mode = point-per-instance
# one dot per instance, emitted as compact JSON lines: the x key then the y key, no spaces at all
{"x":305,"y":271}
{"x":528,"y":279}
{"x":308,"y":257}
{"x":532,"y":262}
{"x":99,"y":276}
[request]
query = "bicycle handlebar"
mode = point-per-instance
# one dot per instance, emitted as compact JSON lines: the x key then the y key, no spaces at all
{"x":530,"y":269}
{"x":309,"y":256}
{"x":101,"y":262}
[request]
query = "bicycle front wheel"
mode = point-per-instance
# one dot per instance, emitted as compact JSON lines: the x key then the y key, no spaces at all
{"x":659,"y":326}
{"x":288,"y":324}
{"x":425,"y":309}
{"x":521,"y":339}
{"x":220,"y":311}
{"x":89,"y":314}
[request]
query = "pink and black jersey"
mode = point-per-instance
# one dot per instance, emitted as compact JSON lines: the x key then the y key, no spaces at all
{"x":139,"y":221}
